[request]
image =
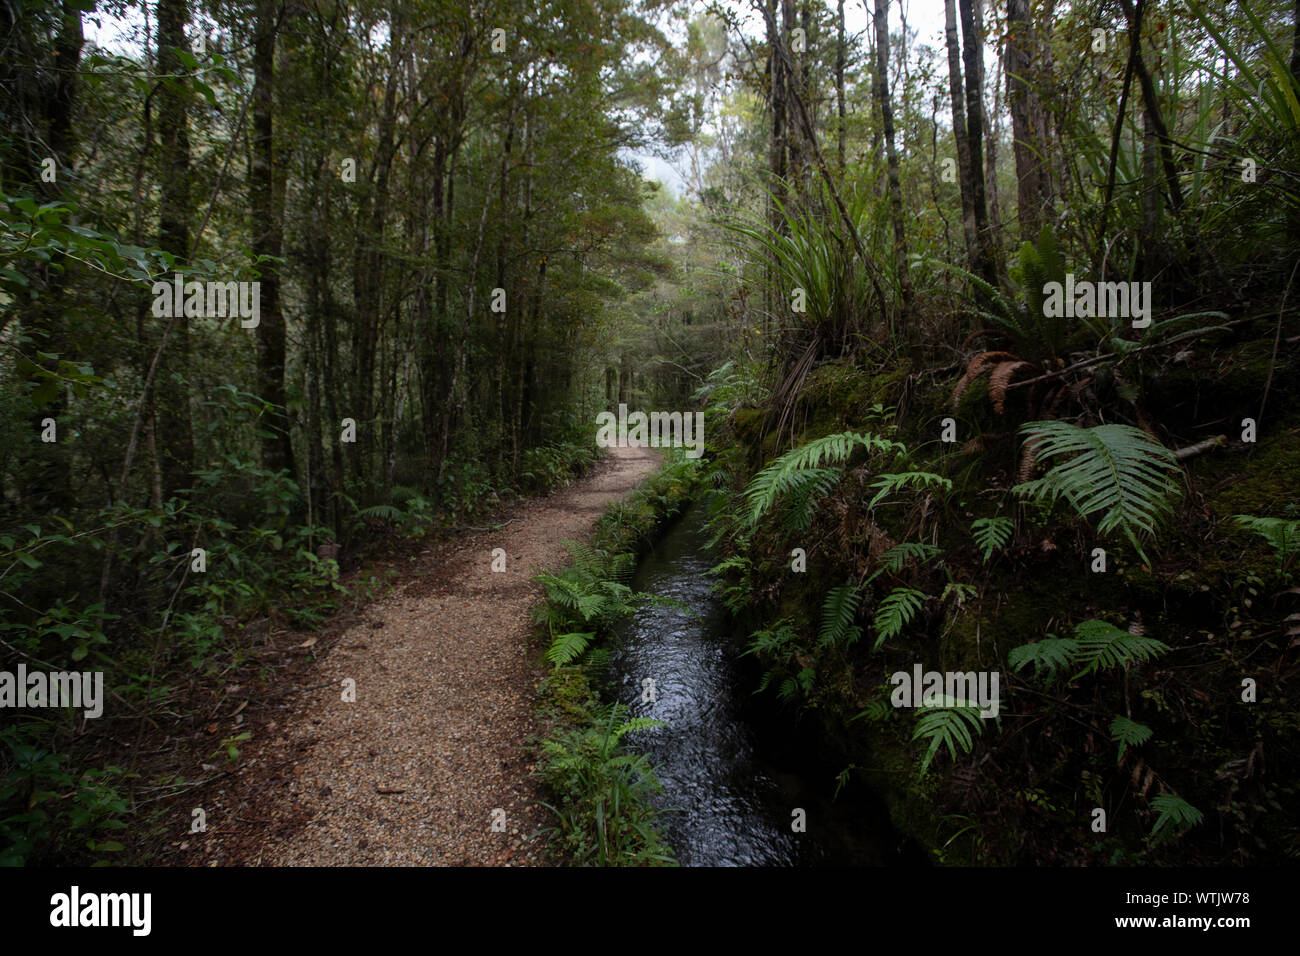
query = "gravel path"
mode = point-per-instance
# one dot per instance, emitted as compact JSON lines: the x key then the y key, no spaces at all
{"x":417,"y":768}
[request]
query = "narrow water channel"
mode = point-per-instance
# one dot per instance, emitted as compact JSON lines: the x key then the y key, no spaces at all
{"x":731,"y":788}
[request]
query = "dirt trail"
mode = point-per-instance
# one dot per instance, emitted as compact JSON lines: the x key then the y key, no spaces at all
{"x":411,"y":773}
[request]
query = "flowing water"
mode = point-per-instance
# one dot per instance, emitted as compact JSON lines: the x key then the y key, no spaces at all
{"x":733,"y":776}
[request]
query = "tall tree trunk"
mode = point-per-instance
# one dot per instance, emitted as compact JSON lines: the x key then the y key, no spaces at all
{"x":881,"y":88}
{"x":959,"y":131}
{"x":1293,"y":210}
{"x":839,"y":83}
{"x":1023,"y":101}
{"x":173,"y":399}
{"x":268,"y":232}
{"x":973,"y":58}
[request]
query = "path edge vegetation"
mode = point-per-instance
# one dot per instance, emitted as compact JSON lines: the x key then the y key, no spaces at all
{"x":599,"y":790}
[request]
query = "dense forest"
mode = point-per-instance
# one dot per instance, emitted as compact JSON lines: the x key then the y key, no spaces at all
{"x":986,"y":310}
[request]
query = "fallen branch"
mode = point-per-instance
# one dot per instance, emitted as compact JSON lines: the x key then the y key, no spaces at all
{"x":1200,"y":446}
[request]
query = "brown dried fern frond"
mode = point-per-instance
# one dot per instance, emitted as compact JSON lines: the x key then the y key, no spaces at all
{"x":977,"y":365}
{"x":1001,"y":377}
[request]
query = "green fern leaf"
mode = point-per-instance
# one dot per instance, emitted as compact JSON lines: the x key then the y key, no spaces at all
{"x":838,"y":611}
{"x":949,"y":726}
{"x":782,"y":475}
{"x":1117,"y":470}
{"x":1103,"y":645}
{"x":1128,"y":733}
{"x":1049,"y":656}
{"x":888,"y":484}
{"x":567,"y":648}
{"x":992,"y":534}
{"x":1175,"y":813}
{"x":894,"y":560}
{"x":896,"y":611}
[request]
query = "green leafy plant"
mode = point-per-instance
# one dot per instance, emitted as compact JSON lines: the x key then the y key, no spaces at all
{"x":1174,"y":815}
{"x":603,"y":794}
{"x":896,"y":611}
{"x":1282,"y":535}
{"x":991,"y":534}
{"x":949,"y":725}
{"x":838,"y":612}
{"x":1097,"y":645}
{"x":1128,"y":733}
{"x":1115,"y":470}
{"x":805,"y":469}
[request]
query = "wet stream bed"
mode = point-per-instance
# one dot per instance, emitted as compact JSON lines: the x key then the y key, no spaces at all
{"x":733,"y":766}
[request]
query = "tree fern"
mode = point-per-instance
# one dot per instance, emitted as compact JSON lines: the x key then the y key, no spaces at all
{"x":1128,"y":733}
{"x":947,"y":725}
{"x":785,"y":473}
{"x":1116,"y":470}
{"x":992,"y":534}
{"x":896,"y":611}
{"x":838,"y":612}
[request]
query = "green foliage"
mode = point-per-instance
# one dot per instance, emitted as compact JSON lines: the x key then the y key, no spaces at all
{"x":49,"y":809}
{"x":1097,"y":645}
{"x":895,"y":559}
{"x":949,"y":725}
{"x":567,"y":648}
{"x":1174,"y":816}
{"x":889,"y":484}
{"x":838,"y":612}
{"x":992,"y":534}
{"x":1116,"y":470}
{"x":1049,"y":656}
{"x":1128,"y":733}
{"x":603,"y":794}
{"x":1282,"y":535}
{"x":584,"y":599}
{"x":1102,"y":645}
{"x":803,"y":468}
{"x":895,"y":611}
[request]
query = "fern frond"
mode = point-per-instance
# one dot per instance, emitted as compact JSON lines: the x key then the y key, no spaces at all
{"x":1117,"y":470}
{"x":1174,"y":812}
{"x":893,"y":560}
{"x":992,"y":534}
{"x":948,"y":726}
{"x":1282,"y":535}
{"x":838,"y":612}
{"x":1128,"y":733}
{"x":888,"y":484}
{"x":383,"y":513}
{"x":781,"y":475}
{"x":567,"y":648}
{"x":1050,"y":655}
{"x":896,"y":611}
{"x":1103,"y":645}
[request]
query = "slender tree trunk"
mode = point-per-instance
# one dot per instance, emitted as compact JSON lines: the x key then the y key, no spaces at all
{"x":973,"y":57}
{"x":268,"y":232}
{"x":173,"y":399}
{"x":1022,"y":99}
{"x":881,"y":87}
{"x":959,"y":131}
{"x":839,"y":83}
